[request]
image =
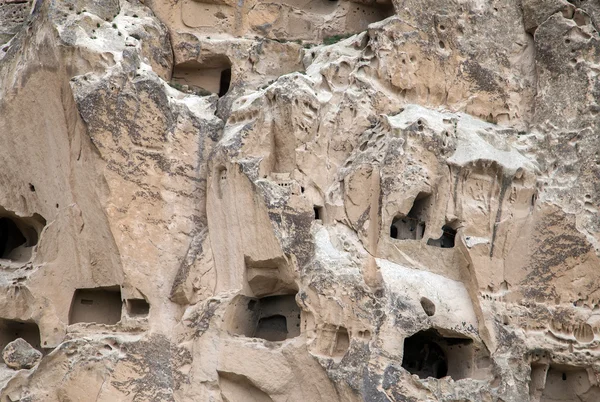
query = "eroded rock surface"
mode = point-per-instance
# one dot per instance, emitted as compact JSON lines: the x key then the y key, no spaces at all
{"x":20,"y":355}
{"x":299,"y":201}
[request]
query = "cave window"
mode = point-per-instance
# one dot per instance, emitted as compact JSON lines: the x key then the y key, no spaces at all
{"x":11,"y":330}
{"x":428,"y":354}
{"x":446,"y":240}
{"x":100,"y":305}
{"x":412,"y":226}
{"x":138,"y":307}
{"x":225,"y":81}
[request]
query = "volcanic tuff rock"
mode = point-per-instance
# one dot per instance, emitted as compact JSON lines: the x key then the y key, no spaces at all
{"x":208,"y":200}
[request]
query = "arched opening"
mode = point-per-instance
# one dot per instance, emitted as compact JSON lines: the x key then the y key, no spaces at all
{"x":412,"y":226}
{"x":19,"y":235}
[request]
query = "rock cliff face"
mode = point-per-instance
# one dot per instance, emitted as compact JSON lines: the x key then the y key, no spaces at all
{"x":299,"y":200}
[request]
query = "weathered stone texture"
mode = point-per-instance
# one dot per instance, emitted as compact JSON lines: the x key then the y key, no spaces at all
{"x":20,"y":355}
{"x":299,"y":201}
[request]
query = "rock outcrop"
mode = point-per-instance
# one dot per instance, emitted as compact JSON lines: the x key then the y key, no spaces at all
{"x":299,"y":200}
{"x":20,"y":355}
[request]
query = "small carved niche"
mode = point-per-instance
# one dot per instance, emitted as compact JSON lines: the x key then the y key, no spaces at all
{"x":101,"y":305}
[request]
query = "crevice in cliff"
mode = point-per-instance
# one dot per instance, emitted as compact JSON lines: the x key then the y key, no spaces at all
{"x":505,"y":184}
{"x":220,"y":181}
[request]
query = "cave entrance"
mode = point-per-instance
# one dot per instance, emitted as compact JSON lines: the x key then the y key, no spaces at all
{"x":19,"y":235}
{"x":11,"y":330}
{"x":211,"y":76}
{"x":429,"y":354}
{"x":11,"y":237}
{"x":412,"y":226}
{"x":424,"y":357}
{"x":100,"y":305}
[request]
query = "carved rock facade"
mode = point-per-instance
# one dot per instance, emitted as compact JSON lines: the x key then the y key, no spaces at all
{"x":300,"y":201}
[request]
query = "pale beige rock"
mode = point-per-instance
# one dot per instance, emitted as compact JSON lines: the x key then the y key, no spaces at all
{"x":243,"y":201}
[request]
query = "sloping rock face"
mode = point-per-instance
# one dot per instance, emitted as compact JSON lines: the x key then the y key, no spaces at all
{"x":300,"y":201}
